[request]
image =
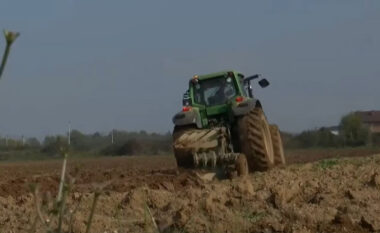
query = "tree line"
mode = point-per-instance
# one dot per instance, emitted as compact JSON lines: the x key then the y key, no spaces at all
{"x":117,"y":142}
{"x":351,"y":132}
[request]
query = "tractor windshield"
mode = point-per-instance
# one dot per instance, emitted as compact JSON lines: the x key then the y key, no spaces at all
{"x":214,"y":91}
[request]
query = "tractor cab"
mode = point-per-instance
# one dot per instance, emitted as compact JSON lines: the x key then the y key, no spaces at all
{"x":217,"y":98}
{"x":214,"y":91}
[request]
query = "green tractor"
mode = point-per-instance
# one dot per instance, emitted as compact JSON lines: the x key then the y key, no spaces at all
{"x":222,"y":126}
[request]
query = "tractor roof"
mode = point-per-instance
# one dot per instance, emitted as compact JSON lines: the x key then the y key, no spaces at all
{"x":216,"y":74}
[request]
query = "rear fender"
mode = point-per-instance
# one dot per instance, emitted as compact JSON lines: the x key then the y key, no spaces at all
{"x":191,"y":117}
{"x":243,"y":108}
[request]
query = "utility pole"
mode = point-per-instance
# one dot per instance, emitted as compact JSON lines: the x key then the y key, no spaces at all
{"x":69,"y":134}
{"x":112,"y":136}
{"x":63,"y":171}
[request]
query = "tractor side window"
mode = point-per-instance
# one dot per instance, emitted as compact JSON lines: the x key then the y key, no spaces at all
{"x":245,"y":87}
{"x":186,"y":100}
{"x":198,"y":94}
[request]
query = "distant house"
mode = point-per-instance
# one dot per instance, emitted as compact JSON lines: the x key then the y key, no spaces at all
{"x":334,"y":130}
{"x":371,"y":119}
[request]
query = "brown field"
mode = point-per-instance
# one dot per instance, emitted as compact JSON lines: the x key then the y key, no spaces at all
{"x":339,"y":195}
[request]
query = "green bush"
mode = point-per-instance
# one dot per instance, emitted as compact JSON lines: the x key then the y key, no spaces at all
{"x":353,"y":131}
{"x":55,"y":145}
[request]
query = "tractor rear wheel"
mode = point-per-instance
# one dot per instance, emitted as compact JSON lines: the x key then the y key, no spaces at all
{"x":255,"y":140}
{"x":278,"y":150}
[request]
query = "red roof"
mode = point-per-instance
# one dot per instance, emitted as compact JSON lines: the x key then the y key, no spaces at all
{"x":369,"y":116}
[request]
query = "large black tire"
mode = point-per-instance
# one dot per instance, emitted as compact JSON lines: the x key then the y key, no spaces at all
{"x":255,"y":140}
{"x":184,"y":159}
{"x":278,"y":149}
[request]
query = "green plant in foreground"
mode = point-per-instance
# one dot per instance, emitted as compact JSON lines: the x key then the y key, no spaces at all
{"x":96,"y":197}
{"x":327,"y":163}
{"x":54,"y":213}
{"x":50,"y":211}
{"x":148,"y":215}
{"x":10,"y":37}
{"x":255,"y":217}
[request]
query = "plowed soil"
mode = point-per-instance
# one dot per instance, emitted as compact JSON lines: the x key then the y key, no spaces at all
{"x":335,"y":195}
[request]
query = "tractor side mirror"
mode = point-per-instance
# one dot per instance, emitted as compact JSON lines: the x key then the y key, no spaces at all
{"x":248,"y":79}
{"x":264,"y":83}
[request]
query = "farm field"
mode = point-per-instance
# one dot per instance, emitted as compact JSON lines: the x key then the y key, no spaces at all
{"x":337,"y":194}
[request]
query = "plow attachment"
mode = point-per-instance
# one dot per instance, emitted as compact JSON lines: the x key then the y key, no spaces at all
{"x":203,"y":148}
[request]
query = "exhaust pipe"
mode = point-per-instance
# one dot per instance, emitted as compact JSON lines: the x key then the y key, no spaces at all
{"x":10,"y":37}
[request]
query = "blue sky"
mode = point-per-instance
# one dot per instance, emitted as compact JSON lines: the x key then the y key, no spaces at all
{"x":125,"y":64}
